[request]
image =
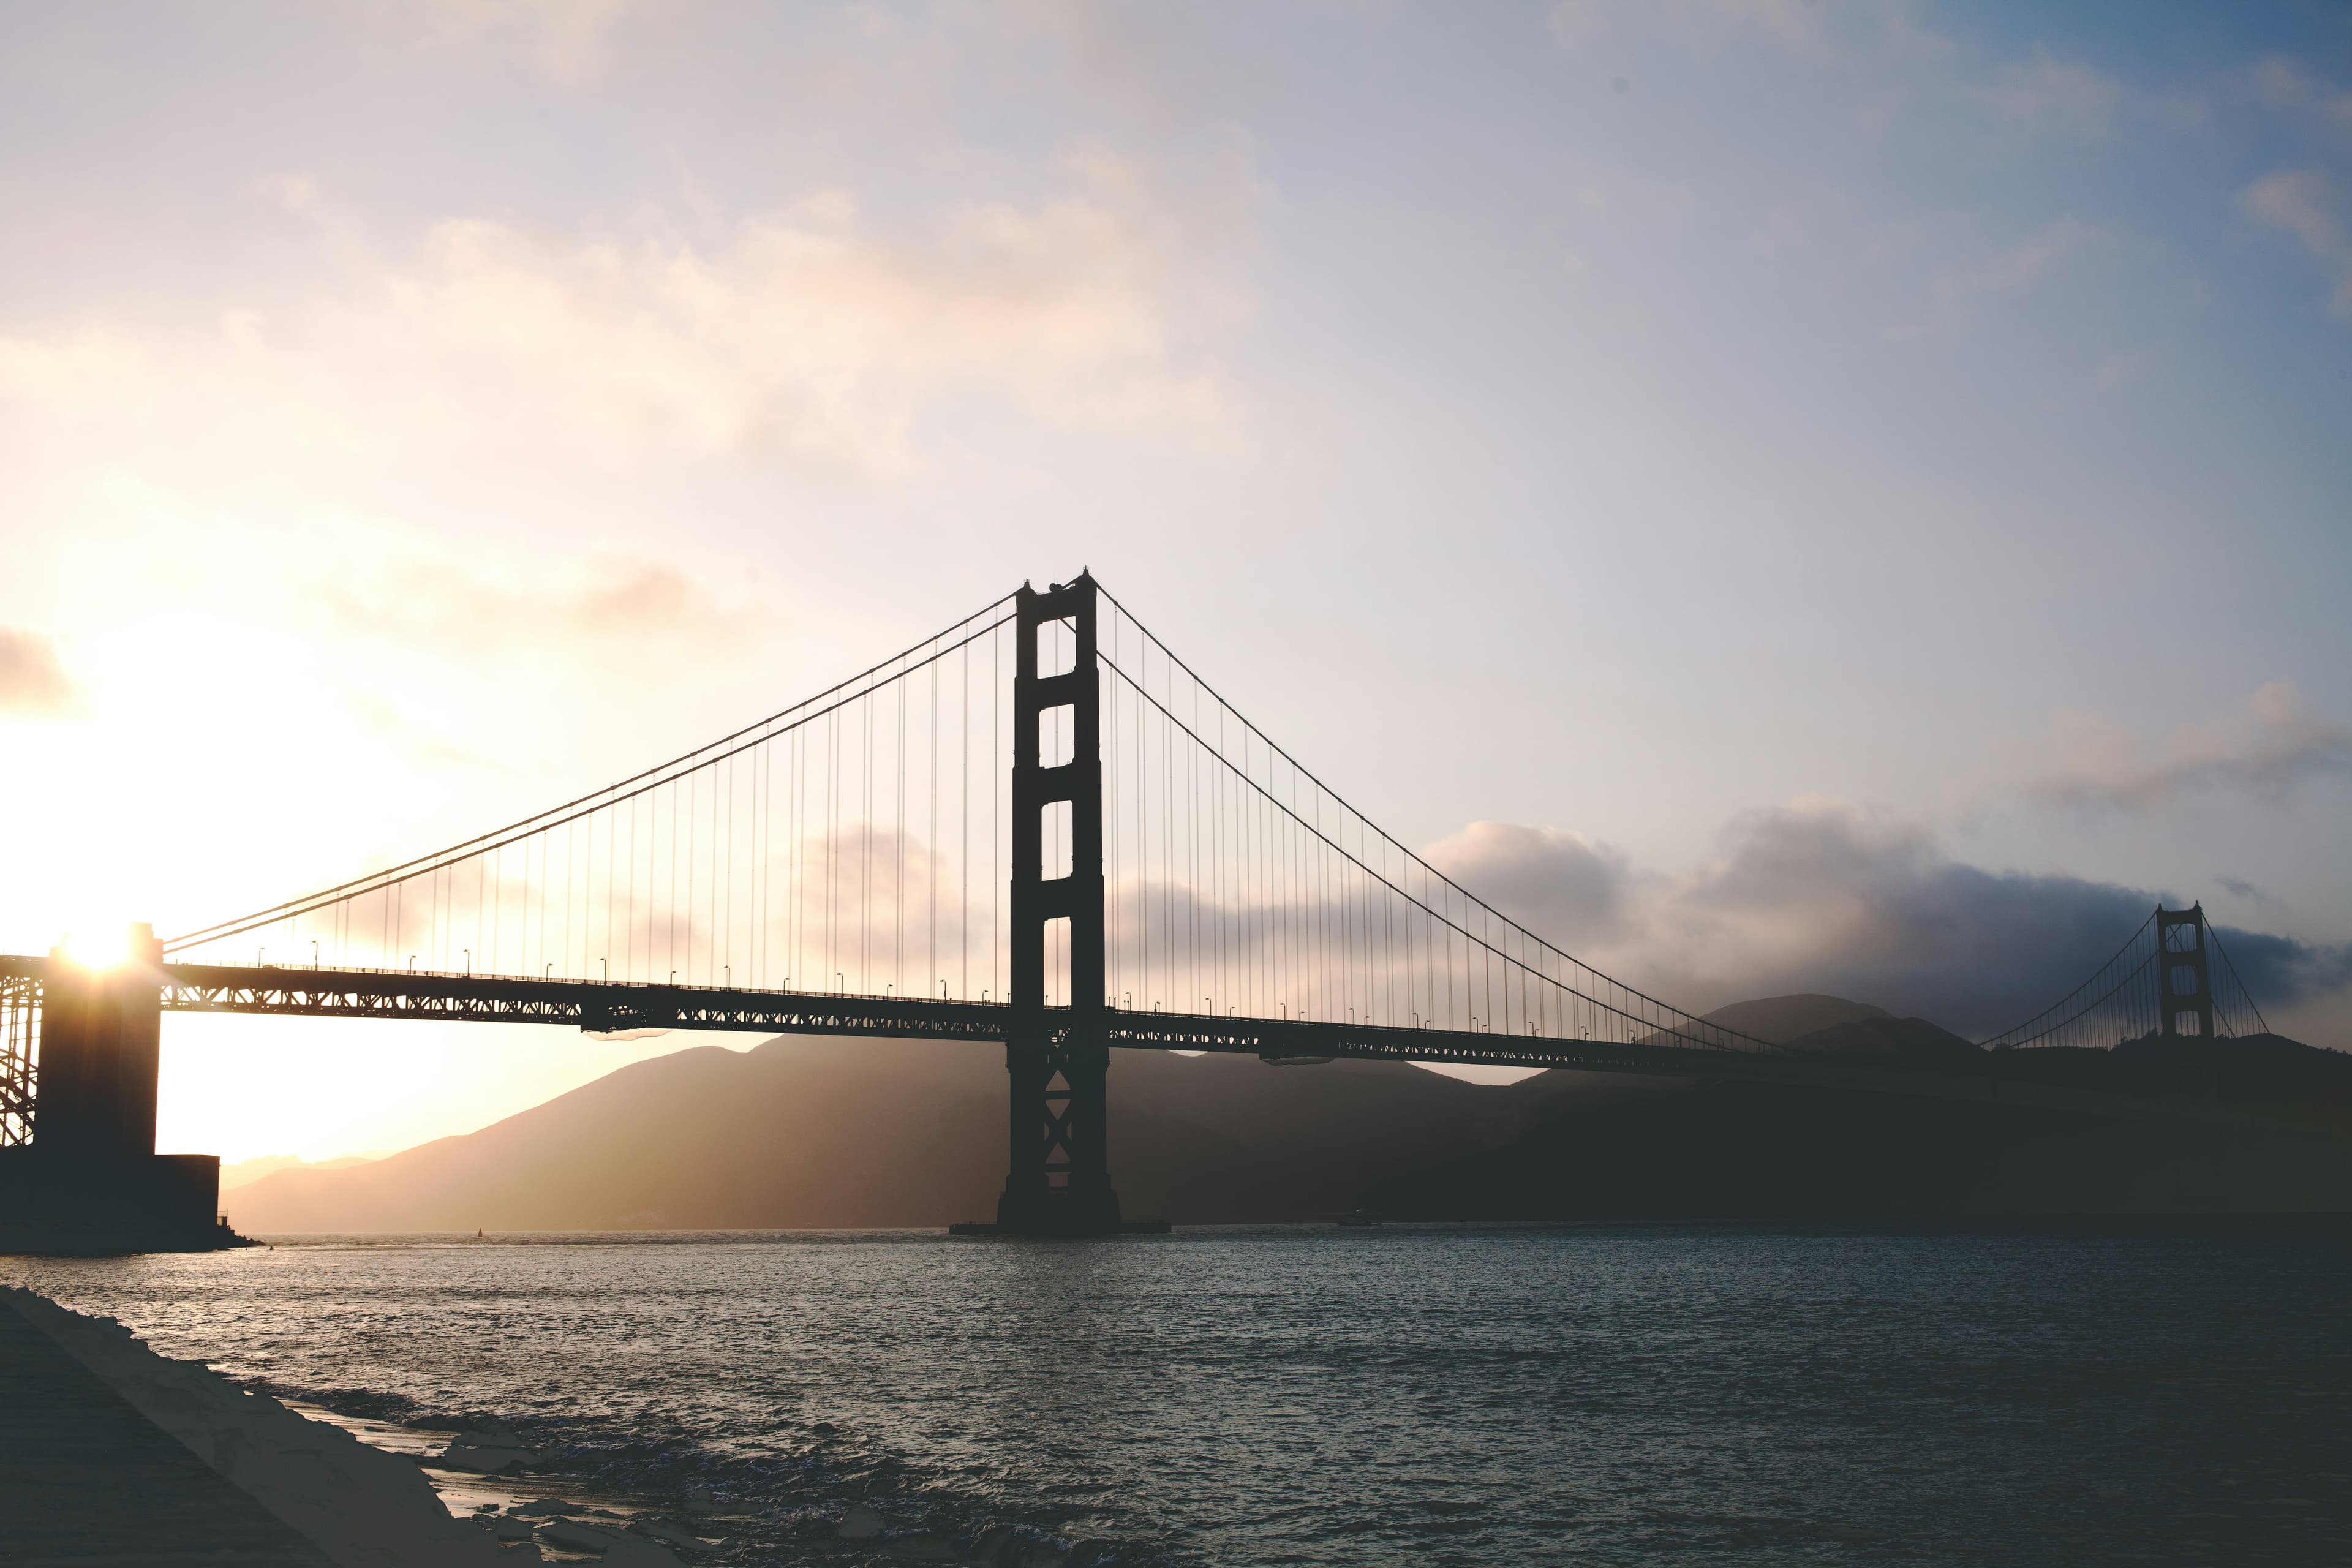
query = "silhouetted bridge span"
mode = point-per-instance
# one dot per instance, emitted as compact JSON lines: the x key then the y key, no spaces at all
{"x":1090,"y":850}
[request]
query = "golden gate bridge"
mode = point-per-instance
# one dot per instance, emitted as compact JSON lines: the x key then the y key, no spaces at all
{"x":1040,"y":829}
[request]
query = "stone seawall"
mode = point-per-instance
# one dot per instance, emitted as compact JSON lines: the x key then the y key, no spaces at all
{"x":110,"y":1452}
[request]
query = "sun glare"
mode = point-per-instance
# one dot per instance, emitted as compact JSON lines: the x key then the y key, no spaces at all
{"x":102,"y":947}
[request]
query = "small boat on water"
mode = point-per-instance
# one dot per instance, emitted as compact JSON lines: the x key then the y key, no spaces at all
{"x":1359,"y":1216}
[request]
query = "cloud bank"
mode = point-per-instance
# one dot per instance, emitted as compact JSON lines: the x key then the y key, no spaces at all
{"x":1816,"y":895}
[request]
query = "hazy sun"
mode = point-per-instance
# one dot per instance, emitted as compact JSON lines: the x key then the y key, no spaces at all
{"x":101,"y":947}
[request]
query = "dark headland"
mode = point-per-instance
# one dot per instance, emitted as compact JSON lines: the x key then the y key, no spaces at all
{"x":801,"y":1132}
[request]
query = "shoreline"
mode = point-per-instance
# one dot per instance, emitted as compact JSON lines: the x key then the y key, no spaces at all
{"x":2128,"y":1224}
{"x":364,"y":1490}
{"x":355,"y":1503}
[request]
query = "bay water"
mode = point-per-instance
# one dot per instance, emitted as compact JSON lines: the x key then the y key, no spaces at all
{"x":1393,"y":1395}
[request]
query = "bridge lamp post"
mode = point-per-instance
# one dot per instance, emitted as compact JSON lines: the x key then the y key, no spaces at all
{"x":314,"y":953}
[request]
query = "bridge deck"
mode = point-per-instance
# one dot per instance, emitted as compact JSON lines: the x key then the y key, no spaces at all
{"x":267,"y":990}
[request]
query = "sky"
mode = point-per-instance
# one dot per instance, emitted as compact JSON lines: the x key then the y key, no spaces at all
{"x":1780,"y":495}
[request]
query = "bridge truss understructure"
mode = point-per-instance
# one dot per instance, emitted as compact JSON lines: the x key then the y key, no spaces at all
{"x":617,"y":1008}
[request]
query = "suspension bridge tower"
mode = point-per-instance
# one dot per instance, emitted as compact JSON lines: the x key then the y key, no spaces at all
{"x":1057,"y":1056}
{"x":2186,"y":991}
{"x":2184,"y":997}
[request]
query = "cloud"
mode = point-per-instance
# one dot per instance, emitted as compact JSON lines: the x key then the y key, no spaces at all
{"x":1578,"y":22}
{"x":2044,"y":97}
{"x":2306,"y":203}
{"x":1799,"y":26}
{"x":1807,"y":897}
{"x":1956,"y":291}
{"x":1819,"y":896}
{"x":809,"y":336}
{"x":2018,"y":267}
{"x":2022,"y":263}
{"x":73,"y":370}
{"x":804,"y":334}
{"x":623,"y":609}
{"x":2282,"y":975}
{"x":567,"y":40}
{"x":1559,"y":884}
{"x":32,"y":681}
{"x":419,"y":744}
{"x":2266,"y":751}
{"x":2284,"y":85}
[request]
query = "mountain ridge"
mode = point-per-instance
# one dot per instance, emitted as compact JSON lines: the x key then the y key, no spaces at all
{"x":820,"y":1133}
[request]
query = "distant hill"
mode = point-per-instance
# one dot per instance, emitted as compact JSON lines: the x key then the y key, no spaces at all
{"x":1888,"y":1039}
{"x":817,"y":1132}
{"x":242,"y":1173}
{"x":1782,"y":1019}
{"x":839,"y":1133}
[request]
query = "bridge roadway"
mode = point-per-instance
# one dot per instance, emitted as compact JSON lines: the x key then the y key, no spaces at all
{"x":603,"y":1007}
